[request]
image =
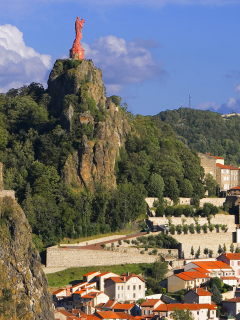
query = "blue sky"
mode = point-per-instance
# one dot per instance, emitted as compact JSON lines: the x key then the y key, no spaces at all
{"x":153,"y":53}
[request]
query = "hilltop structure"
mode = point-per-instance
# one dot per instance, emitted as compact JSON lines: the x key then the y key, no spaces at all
{"x":77,"y":52}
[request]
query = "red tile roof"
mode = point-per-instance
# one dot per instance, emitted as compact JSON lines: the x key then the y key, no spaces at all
{"x":124,"y":315}
{"x":79,"y":285}
{"x":232,"y":256}
{"x":102,"y":274}
{"x":123,"y":306}
{"x":229,"y":278}
{"x":106,"y":315}
{"x":212,"y":265}
{"x":201,"y":292}
{"x":232,"y":300}
{"x":150,"y":302}
{"x":183,"y":306}
{"x":58,"y":291}
{"x":91,"y":317}
{"x":236,"y":188}
{"x":90,"y":273}
{"x":115,"y":279}
{"x":190,"y":275}
{"x":109,"y":304}
{"x":223,"y":166}
{"x":217,"y":157}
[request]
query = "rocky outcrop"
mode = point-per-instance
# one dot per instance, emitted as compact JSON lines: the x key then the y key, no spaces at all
{"x":105,"y":125}
{"x":24,"y":291}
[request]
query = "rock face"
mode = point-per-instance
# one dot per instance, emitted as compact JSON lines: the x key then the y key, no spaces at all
{"x":104,"y":122}
{"x":24,"y":291}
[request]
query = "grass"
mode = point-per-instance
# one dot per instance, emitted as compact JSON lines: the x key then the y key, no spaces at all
{"x":75,"y":275}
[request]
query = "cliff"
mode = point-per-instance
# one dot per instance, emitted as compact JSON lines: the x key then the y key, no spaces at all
{"x":24,"y":292}
{"x":96,"y":123}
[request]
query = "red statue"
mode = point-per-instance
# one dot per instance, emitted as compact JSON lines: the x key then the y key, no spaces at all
{"x":77,"y":51}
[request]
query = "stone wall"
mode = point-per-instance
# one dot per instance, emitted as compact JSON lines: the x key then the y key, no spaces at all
{"x":58,"y":257}
{"x":229,"y":220}
{"x":210,"y":240}
{"x":208,"y":163}
{"x":89,"y":242}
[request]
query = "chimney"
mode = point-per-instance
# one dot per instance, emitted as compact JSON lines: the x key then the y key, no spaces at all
{"x":1,"y":177}
{"x":128,"y":274}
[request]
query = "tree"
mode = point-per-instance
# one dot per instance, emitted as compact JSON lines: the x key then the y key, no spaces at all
{"x":192,"y":251}
{"x":232,"y":247}
{"x":224,"y":248}
{"x":182,"y":314}
{"x":186,"y":188}
{"x":156,"y":186}
{"x":198,"y":252}
{"x":216,"y":295}
{"x":171,"y":189}
{"x":220,"y":250}
{"x":210,"y":185}
{"x":206,"y":252}
{"x":159,"y":269}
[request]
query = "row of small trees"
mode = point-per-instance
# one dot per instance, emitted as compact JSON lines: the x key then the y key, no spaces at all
{"x":191,"y":228}
{"x":206,"y":251}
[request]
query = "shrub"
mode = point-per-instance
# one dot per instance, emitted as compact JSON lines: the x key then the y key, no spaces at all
{"x":179,"y":229}
{"x":172,"y":229}
{"x":127,"y":241}
{"x":154,"y":251}
{"x":119,"y":242}
{"x":211,"y":227}
{"x":169,"y":211}
{"x":223,"y":227}
{"x":191,"y":228}
{"x":198,"y":228}
{"x":178,"y":211}
{"x":160,"y":211}
{"x":103,"y":245}
{"x":185,"y":228}
{"x":142,"y":252}
{"x":188,"y":211}
{"x":205,"y":227}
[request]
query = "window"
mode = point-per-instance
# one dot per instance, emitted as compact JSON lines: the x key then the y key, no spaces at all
{"x":134,"y":287}
{"x":134,"y":296}
{"x":118,"y":296}
{"x":197,"y":312}
{"x":122,"y":296}
{"x":140,"y":287}
{"x":238,"y":263}
{"x":145,"y":311}
{"x":150,"y":311}
{"x":238,"y":272}
{"x":232,"y":263}
{"x":118,"y":287}
{"x":122,"y":288}
{"x":128,"y":287}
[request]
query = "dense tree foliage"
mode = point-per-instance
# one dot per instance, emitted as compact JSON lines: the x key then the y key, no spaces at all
{"x":206,"y":131}
{"x":34,"y":147}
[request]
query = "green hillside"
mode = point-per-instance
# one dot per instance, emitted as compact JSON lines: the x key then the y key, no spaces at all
{"x":79,"y":163}
{"x":206,"y":131}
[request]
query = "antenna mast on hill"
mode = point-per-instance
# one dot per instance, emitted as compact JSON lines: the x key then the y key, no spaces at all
{"x":190,"y":101}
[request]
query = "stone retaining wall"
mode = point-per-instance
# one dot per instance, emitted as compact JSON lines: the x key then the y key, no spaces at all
{"x":57,"y":257}
{"x":229,"y":220}
{"x":210,"y":240}
{"x":85,"y":243}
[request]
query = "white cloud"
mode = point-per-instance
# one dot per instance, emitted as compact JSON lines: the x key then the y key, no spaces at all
{"x":123,"y":62}
{"x":19,"y":64}
{"x":208,"y":105}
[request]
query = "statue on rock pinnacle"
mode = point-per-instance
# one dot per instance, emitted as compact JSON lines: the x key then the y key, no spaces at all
{"x":77,"y":52}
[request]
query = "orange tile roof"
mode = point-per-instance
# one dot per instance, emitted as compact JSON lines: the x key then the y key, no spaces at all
{"x":80,"y":291}
{"x":129,"y":275}
{"x":202,"y":270}
{"x":229,"y":278}
{"x":102,"y":274}
{"x":150,"y":303}
{"x":233,"y":300}
{"x":90,"y":273}
{"x":123,"y":306}
{"x":58,"y":291}
{"x":202,"y":292}
{"x":91,"y":295}
{"x":106,"y":315}
{"x":109,"y":304}
{"x":91,"y":317}
{"x":115,"y":279}
{"x":232,"y":256}
{"x":190,"y":275}
{"x":223,"y":166}
{"x":217,"y":157}
{"x":236,"y":188}
{"x":212,"y":265}
{"x":183,"y":306}
{"x":78,"y":285}
{"x":124,"y":315}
